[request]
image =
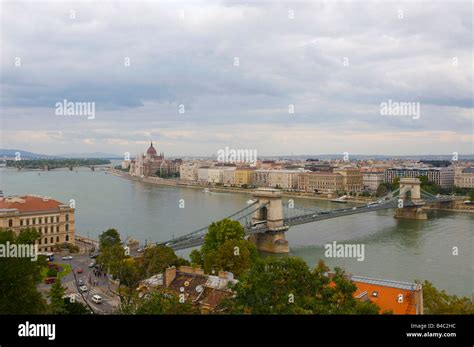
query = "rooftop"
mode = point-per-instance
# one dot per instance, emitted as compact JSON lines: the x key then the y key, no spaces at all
{"x":29,"y":203}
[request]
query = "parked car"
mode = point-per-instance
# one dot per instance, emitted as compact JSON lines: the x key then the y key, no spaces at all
{"x":94,"y":255}
{"x":92,"y":264}
{"x":80,"y":282}
{"x":83,"y":289}
{"x":50,"y":280}
{"x":97,"y":299}
{"x":67,"y":257}
{"x":79,"y":270}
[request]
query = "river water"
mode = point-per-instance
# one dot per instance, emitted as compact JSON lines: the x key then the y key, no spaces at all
{"x":404,"y":250}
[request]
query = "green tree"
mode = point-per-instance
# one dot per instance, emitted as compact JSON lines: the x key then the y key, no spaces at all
{"x":288,"y":286}
{"x":439,"y":302}
{"x":395,"y":184}
{"x":235,"y":256}
{"x":75,"y":308}
{"x":56,"y":295}
{"x":20,"y":276}
{"x":471,"y":195}
{"x":159,"y":302}
{"x":52,"y":272}
{"x":382,"y":190}
{"x":225,"y":248}
{"x":156,"y":259}
{"x":109,"y":238}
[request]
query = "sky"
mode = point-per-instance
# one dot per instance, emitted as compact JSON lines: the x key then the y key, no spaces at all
{"x":198,"y":76}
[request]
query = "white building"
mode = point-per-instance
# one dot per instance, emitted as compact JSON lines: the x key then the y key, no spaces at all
{"x":372,"y":180}
{"x":188,"y":172}
{"x":203,"y":174}
{"x":215,"y":175}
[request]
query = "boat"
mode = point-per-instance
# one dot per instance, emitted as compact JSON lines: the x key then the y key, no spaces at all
{"x":206,"y":190}
{"x":341,"y":199}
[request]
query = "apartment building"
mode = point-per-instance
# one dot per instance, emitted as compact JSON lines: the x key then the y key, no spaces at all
{"x":188,"y":172}
{"x":244,"y":176}
{"x":320,"y":182}
{"x":372,"y":180}
{"x":464,"y":177}
{"x":203,"y":174}
{"x":351,"y":179}
{"x":228,"y":175}
{"x":441,"y":176}
{"x":51,"y":218}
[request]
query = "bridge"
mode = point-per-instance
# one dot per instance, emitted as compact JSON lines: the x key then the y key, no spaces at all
{"x":266,"y":218}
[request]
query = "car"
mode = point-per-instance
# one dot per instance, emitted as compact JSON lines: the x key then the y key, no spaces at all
{"x":97,"y":299}
{"x":83,"y":289}
{"x":79,"y":270}
{"x":92,"y":264}
{"x":94,"y":255}
{"x":67,"y":257}
{"x":50,"y":280}
{"x":80,"y":282}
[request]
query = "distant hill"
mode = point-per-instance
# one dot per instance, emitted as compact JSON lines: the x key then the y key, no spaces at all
{"x":11,"y":153}
{"x":92,"y":155}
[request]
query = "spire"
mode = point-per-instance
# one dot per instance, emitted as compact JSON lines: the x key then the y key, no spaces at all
{"x":151,"y":143}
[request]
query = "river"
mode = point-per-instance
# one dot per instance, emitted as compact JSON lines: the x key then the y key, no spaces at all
{"x":404,"y":250}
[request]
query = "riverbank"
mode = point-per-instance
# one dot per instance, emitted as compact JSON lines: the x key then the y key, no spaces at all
{"x":219,"y":189}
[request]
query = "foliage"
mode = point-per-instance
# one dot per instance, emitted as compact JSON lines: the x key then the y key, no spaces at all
{"x":288,"y":286}
{"x":52,"y":272}
{"x":156,"y":259}
{"x":55,"y":163}
{"x":159,"y":302}
{"x":108,"y":238}
{"x":19,"y":277}
{"x":439,"y":302}
{"x":56,"y":295}
{"x":225,"y":248}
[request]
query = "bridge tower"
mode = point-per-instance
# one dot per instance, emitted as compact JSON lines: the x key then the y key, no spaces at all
{"x":271,"y":212}
{"x":410,"y":193}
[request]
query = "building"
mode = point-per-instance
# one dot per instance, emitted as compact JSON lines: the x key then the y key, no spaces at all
{"x":351,"y":179}
{"x":215,"y":175}
{"x":261,"y":178}
{"x":204,"y":291}
{"x":372,"y":180}
{"x":244,"y":176}
{"x":464,"y":177}
{"x":152,"y":164}
{"x":228,"y":175}
{"x":203,"y":174}
{"x":188,"y":172}
{"x":51,"y":218}
{"x":441,"y":176}
{"x":284,"y":179}
{"x":395,"y":296}
{"x":320,"y":182}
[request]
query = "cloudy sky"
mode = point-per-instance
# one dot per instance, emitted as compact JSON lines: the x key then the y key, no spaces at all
{"x":237,"y":69}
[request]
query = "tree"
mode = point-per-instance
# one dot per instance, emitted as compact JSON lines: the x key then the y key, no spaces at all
{"x":75,"y":308}
{"x":109,"y":238}
{"x":288,"y":286}
{"x":159,"y":302}
{"x":52,"y":272}
{"x":382,"y":190}
{"x":471,"y":195}
{"x":225,"y":248}
{"x":439,"y":302}
{"x":20,"y":276}
{"x":395,"y":184}
{"x":56,"y":295}
{"x":235,"y":256}
{"x":156,"y":259}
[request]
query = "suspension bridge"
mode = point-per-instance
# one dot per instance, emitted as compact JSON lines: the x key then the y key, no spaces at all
{"x":266,"y":219}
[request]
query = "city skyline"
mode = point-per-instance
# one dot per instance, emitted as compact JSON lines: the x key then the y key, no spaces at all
{"x":279,"y":78}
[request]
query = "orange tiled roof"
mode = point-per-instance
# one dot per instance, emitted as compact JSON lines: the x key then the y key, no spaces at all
{"x":29,"y":203}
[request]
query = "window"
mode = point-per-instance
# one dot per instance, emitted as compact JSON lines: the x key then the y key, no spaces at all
{"x":57,"y":219}
{"x":400,"y":298}
{"x":375,"y":294}
{"x":39,"y":241}
{"x":57,"y":238}
{"x":10,"y":222}
{"x":52,"y":239}
{"x":45,"y":240}
{"x":21,"y":221}
{"x":67,"y":238}
{"x":27,"y":221}
{"x":34,"y":221}
{"x":67,"y":217}
{"x":67,"y":227}
{"x":57,"y":229}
